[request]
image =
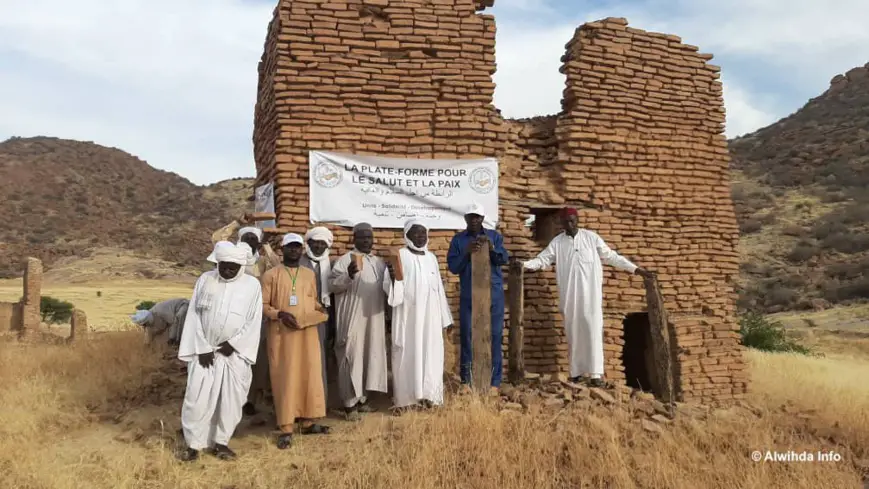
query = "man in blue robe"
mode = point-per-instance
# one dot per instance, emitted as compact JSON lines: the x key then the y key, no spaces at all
{"x":472,"y":239}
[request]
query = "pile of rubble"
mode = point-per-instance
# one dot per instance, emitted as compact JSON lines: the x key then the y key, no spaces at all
{"x":553,"y":393}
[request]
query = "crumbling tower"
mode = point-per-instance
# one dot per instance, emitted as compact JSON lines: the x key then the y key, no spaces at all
{"x":640,"y":139}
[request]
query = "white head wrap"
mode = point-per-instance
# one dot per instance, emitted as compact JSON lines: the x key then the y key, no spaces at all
{"x":409,"y":224}
{"x":238,"y":254}
{"x":321,"y":234}
{"x":251,"y":256}
{"x":250,"y":229}
{"x":476,"y":208}
{"x":292,"y":238}
{"x":220,"y":244}
{"x":142,"y":318}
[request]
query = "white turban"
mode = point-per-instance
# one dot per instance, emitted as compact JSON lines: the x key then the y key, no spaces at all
{"x":237,"y":254}
{"x":220,"y":244}
{"x":142,"y":318}
{"x":321,"y":234}
{"x":292,"y":238}
{"x":409,"y":224}
{"x":476,"y":208}
{"x":256,"y":231}
{"x":251,"y":256}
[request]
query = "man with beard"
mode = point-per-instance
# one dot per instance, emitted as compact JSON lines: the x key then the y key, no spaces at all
{"x":291,"y":303}
{"x":317,"y":243}
{"x":360,"y":339}
{"x":420,"y":314}
{"x":578,"y":255}
{"x":219,"y":343}
{"x":465,"y":243}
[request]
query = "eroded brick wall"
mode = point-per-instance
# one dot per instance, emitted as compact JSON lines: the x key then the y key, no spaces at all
{"x":401,"y":78}
{"x":642,"y":135}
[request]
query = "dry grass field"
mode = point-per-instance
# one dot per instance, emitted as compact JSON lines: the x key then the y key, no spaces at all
{"x":104,"y":414}
{"x":107,"y":303}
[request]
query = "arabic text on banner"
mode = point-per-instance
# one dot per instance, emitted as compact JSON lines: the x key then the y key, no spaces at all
{"x":385,"y":192}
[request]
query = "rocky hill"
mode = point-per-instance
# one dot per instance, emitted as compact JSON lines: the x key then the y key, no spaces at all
{"x":802,"y":196}
{"x":65,"y":198}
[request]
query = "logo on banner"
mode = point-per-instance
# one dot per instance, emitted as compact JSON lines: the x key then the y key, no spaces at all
{"x":327,"y":175}
{"x":482,"y":180}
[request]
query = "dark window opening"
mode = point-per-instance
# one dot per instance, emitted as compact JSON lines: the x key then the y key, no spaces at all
{"x":637,"y":352}
{"x":547,"y":225}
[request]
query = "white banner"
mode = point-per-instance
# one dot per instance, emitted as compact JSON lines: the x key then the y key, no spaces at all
{"x":264,"y":201}
{"x":385,"y":192}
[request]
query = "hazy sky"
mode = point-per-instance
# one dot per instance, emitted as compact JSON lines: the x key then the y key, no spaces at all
{"x":174,"y":81}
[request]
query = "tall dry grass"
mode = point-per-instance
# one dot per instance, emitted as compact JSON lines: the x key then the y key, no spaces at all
{"x":97,"y":416}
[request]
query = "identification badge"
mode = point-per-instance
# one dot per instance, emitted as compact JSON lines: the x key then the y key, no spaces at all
{"x":294,"y":301}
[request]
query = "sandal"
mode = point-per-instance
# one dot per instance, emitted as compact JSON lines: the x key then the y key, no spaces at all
{"x":364,"y":408}
{"x":316,"y":429}
{"x":189,"y":455}
{"x":285,"y":441}
{"x":223,"y":452}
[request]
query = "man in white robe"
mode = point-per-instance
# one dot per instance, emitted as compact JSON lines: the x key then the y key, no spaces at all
{"x":219,"y":343}
{"x":420,"y":314}
{"x":578,"y":255}
{"x":168,"y":315}
{"x":318,"y":242}
{"x":360,"y":322}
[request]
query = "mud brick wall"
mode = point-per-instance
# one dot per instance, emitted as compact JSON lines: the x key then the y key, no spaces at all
{"x":404,"y":78}
{"x":31,"y":317}
{"x":642,"y":135}
{"x":10,"y":316}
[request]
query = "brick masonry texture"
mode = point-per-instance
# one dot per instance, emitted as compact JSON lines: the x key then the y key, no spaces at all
{"x":638,"y":146}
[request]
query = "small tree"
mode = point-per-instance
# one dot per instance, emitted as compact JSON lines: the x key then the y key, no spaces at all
{"x":145,"y":305}
{"x":55,"y":311}
{"x":760,"y":333}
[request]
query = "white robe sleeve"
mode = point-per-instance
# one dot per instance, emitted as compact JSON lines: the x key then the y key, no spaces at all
{"x":446,"y":313}
{"x":394,"y":291}
{"x":613,"y":259}
{"x":193,"y":342}
{"x":339,"y":278}
{"x":544,"y":260}
{"x":246,"y":341}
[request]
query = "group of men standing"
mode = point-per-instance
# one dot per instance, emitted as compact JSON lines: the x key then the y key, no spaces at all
{"x":260,"y":320}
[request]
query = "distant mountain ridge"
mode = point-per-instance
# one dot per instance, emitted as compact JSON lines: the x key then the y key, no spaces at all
{"x":63,"y":198}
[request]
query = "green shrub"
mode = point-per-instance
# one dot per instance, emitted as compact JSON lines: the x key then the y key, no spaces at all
{"x":55,"y":311}
{"x":760,"y":333}
{"x":145,"y":305}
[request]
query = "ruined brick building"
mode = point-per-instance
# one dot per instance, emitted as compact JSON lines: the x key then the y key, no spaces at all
{"x":639,"y":146}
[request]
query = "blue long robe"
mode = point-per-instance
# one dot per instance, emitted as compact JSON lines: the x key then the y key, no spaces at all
{"x":459,"y":263}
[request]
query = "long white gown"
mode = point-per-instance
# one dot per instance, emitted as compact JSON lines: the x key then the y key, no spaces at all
{"x":219,"y":311}
{"x":579,"y":275}
{"x":420,"y":313}
{"x":360,"y":328}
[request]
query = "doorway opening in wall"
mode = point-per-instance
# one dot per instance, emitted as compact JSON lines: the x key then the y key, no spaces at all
{"x":637,"y":352}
